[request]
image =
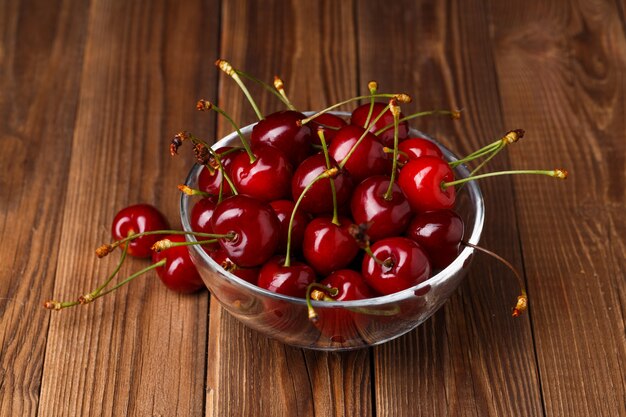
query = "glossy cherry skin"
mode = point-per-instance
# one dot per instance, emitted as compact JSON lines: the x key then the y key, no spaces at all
{"x":283,"y":131}
{"x":385,"y":217}
{"x":266,"y":179}
{"x":350,"y":285}
{"x":368,"y":158}
{"x":359,"y":117}
{"x":319,"y":198}
{"x":256,"y":229}
{"x":328,"y":247}
{"x":290,"y":280}
{"x":284,"y":209}
{"x":422,"y":180}
{"x":136,"y":219}
{"x":413,"y":148}
{"x":220,"y":256}
{"x":179,"y":272}
{"x":200,"y":219}
{"x":211,"y":182}
{"x":404,"y":264}
{"x":439,"y":233}
{"x":329,"y":124}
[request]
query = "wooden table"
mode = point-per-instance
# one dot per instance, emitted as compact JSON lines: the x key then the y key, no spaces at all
{"x":91,"y":92}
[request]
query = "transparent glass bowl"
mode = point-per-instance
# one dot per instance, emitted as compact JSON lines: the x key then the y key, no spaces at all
{"x":342,"y":325}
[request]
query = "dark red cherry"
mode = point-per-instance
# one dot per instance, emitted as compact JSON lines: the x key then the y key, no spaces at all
{"x":359,"y":117}
{"x":368,"y":158}
{"x":401,"y":265}
{"x":439,"y":233}
{"x":422,"y":181}
{"x":210,"y":182}
{"x":328,"y":247}
{"x":179,"y":272}
{"x":247,"y":274}
{"x":329,"y":124}
{"x":319,"y":198}
{"x":384,"y":217}
{"x":290,"y":280}
{"x":413,"y":148}
{"x":255,"y":227}
{"x":350,"y":285}
{"x":284,"y":209}
{"x":136,"y":219}
{"x":200,"y":219}
{"x":266,"y":179}
{"x":284,"y":131}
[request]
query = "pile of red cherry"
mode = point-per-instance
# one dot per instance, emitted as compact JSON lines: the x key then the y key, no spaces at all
{"x":352,"y":208}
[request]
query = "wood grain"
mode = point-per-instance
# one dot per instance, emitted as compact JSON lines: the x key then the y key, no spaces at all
{"x":91,"y":94}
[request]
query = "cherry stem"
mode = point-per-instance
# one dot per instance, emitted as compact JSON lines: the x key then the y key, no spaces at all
{"x":454,"y":113}
{"x":228,"y":69}
{"x":225,"y":175}
{"x":492,"y":149}
{"x":372,"y":86}
{"x":185,"y":189}
{"x":401,"y":97}
{"x":86,"y":299}
{"x":395,"y":111}
{"x":280,"y":87}
{"x":165,"y":244}
{"x":262,"y":84}
{"x":107,"y":248}
{"x":522,"y":300}
{"x":207,"y":105}
{"x":313,"y":316}
{"x":94,"y":294}
{"x":556,"y":173}
{"x":333,"y":189}
{"x":329,"y":173}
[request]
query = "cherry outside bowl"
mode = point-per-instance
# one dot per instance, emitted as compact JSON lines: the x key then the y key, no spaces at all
{"x":342,"y":325}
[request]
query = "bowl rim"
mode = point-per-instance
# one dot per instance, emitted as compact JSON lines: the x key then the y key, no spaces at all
{"x":455,"y":266}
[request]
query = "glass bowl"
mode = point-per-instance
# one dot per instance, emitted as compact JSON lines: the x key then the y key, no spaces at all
{"x":342,"y":325}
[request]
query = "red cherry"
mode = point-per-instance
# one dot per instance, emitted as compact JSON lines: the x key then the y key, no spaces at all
{"x":179,"y":272}
{"x":255,"y":227}
{"x":268,"y":178}
{"x":210,"y":182}
{"x":413,"y":148}
{"x":384,"y":217}
{"x":247,"y":274}
{"x":136,"y":219}
{"x":284,"y":131}
{"x":290,"y":280}
{"x":200,"y":219}
{"x":284,"y":209}
{"x":319,"y":198}
{"x":401,"y":265}
{"x":328,"y":247}
{"x":329,"y":124}
{"x":439,"y":233}
{"x":350,"y":285}
{"x":368,"y":158}
{"x":422,"y":181}
{"x":359,"y":117}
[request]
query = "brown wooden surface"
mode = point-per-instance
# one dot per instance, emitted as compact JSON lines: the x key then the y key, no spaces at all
{"x":92,"y":91}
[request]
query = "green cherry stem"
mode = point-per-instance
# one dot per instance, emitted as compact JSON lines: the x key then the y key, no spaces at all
{"x":329,"y":173}
{"x":395,"y":111}
{"x":263,"y":84}
{"x":492,"y":149}
{"x":164,"y":244}
{"x":232,"y":73}
{"x":319,"y":295}
{"x":556,"y":173}
{"x":127,"y":280}
{"x":204,"y":105}
{"x":372,"y":86}
{"x":401,"y":97}
{"x":225,"y":175}
{"x":279,"y":85}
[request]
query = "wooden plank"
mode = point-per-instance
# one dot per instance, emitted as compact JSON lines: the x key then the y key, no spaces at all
{"x":562,"y":72}
{"x":311,"y":45}
{"x":471,"y":358}
{"x":38,"y":105}
{"x":141,"y":350}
